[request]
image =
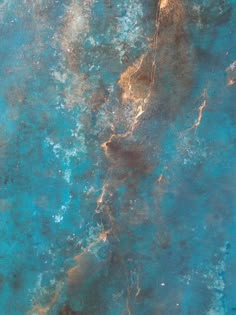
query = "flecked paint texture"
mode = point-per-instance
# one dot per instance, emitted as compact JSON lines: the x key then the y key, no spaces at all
{"x":117,"y":157}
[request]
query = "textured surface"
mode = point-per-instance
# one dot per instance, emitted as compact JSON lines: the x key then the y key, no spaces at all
{"x":117,"y":157}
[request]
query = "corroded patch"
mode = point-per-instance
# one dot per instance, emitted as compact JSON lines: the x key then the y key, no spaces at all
{"x":164,"y":72}
{"x":135,"y":85}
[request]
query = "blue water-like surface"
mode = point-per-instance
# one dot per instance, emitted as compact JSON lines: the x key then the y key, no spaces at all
{"x":117,"y":164}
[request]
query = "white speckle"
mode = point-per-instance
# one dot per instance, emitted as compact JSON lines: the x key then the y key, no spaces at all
{"x":163,"y":284}
{"x":232,"y":66}
{"x":61,"y":77}
{"x":58,"y":218}
{"x":60,"y":215}
{"x":67,"y":175}
{"x":128,"y":29}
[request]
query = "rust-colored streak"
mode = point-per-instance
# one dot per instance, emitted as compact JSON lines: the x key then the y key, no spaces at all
{"x":163,"y":4}
{"x":43,"y":310}
{"x":201,"y":108}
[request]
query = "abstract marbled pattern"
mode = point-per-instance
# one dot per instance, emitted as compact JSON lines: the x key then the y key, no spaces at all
{"x":117,"y":157}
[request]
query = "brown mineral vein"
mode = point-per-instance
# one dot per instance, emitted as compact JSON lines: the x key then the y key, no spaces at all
{"x":200,"y":114}
{"x":200,"y":110}
{"x":163,"y":4}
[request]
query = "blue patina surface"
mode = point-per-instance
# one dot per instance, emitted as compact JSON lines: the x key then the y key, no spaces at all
{"x":117,"y":157}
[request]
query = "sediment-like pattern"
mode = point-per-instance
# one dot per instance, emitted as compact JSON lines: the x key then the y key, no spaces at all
{"x":117,"y":157}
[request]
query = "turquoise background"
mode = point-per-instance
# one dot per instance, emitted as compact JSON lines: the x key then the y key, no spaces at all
{"x":171,"y":244}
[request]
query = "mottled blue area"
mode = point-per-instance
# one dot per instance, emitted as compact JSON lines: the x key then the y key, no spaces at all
{"x":117,"y":157}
